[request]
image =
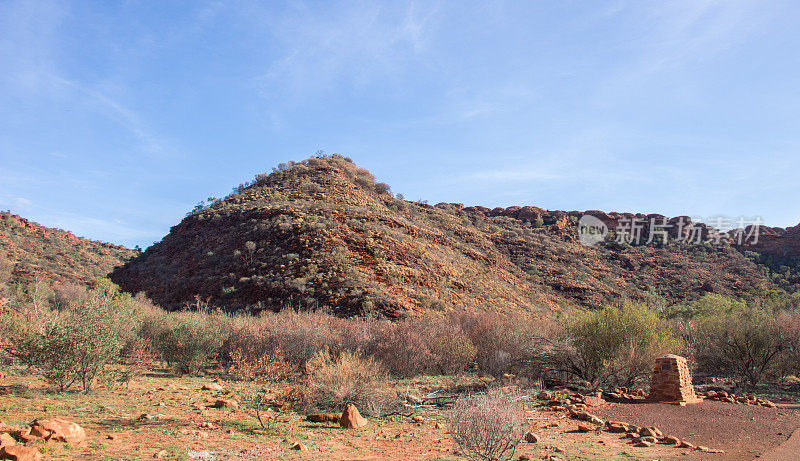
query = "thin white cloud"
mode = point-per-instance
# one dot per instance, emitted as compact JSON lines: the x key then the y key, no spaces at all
{"x":324,"y":48}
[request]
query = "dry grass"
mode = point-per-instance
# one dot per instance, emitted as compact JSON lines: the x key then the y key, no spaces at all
{"x":349,"y":377}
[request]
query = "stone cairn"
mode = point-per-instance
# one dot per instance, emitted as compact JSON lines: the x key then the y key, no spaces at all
{"x":672,"y":381}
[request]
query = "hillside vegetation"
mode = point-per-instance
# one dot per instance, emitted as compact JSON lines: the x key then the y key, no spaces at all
{"x":322,"y":234}
{"x":29,"y":252}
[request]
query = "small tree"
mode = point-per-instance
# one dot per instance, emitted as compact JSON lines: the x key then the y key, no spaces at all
{"x":77,"y":342}
{"x":616,"y":345}
{"x":487,"y":426}
{"x":743,"y":341}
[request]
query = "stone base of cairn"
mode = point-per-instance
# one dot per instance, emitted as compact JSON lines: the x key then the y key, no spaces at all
{"x":672,"y":381}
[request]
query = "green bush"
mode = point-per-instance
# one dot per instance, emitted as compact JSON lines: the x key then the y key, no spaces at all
{"x":745,"y":341}
{"x":616,"y":345}
{"x":188,"y":340}
{"x":76,"y":342}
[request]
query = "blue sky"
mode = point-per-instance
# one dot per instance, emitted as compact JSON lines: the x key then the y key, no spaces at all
{"x":117,"y":117}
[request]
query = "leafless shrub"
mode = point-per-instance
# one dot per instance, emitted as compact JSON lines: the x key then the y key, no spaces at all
{"x":487,"y":426}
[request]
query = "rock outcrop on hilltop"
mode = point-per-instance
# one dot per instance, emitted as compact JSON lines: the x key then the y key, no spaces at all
{"x":322,"y":234}
{"x":30,"y":251}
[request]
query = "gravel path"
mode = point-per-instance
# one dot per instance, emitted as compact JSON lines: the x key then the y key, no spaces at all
{"x":743,"y":431}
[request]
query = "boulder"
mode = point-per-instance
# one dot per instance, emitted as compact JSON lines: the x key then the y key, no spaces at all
{"x":7,"y":428}
{"x":593,"y":401}
{"x":616,"y":427}
{"x":6,"y":440}
{"x":650,"y":431}
{"x":351,"y":418}
{"x":586,"y":427}
{"x":20,"y":453}
{"x":299,"y":447}
{"x":671,"y":440}
{"x":59,"y":430}
{"x":226,"y":403}
{"x":530,"y":437}
{"x":324,"y":418}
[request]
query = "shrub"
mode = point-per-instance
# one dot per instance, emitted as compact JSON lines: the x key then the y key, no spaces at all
{"x":401,"y":348}
{"x":616,"y":345}
{"x":741,"y":340}
{"x":77,"y":342}
{"x":188,"y":340}
{"x":351,"y":377}
{"x":487,"y":426}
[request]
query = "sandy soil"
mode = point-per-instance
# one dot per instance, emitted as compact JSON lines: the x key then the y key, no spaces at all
{"x":742,"y":431}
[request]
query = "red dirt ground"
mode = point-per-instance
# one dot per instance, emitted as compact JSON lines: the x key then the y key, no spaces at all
{"x":742,"y":431}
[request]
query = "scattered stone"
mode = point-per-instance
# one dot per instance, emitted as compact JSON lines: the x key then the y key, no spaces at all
{"x":586,"y":427}
{"x":212,"y":387}
{"x":593,"y":401}
{"x":161,"y":454}
{"x":642,"y":443}
{"x":524,"y":458}
{"x":530,"y":437}
{"x":544,"y":395}
{"x":671,"y":440}
{"x":111,"y":436}
{"x":6,"y":428}
{"x":649,"y":439}
{"x":685,"y":444}
{"x":418,"y":419}
{"x":226,"y":403}
{"x":324,"y":418}
{"x":59,"y":430}
{"x":299,"y":447}
{"x":413,"y":399}
{"x":200,"y":455}
{"x":20,"y":453}
{"x":650,"y":431}
{"x":616,"y":427}
{"x":6,"y":440}
{"x":351,"y":418}
{"x":702,"y":448}
{"x":438,"y":426}
{"x":145,"y":417}
{"x":597,"y":421}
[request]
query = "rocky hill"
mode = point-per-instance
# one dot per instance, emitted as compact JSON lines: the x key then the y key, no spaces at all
{"x":29,"y":251}
{"x":322,"y":234}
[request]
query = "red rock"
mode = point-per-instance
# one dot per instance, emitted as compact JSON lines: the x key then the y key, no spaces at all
{"x":671,"y":440}
{"x":6,"y":440}
{"x":593,"y":401}
{"x":59,"y":430}
{"x":324,"y":418}
{"x":530,"y":437}
{"x":617,"y":427}
{"x":20,"y":453}
{"x":351,"y":418}
{"x":586,"y":427}
{"x":650,"y":431}
{"x":226,"y":403}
